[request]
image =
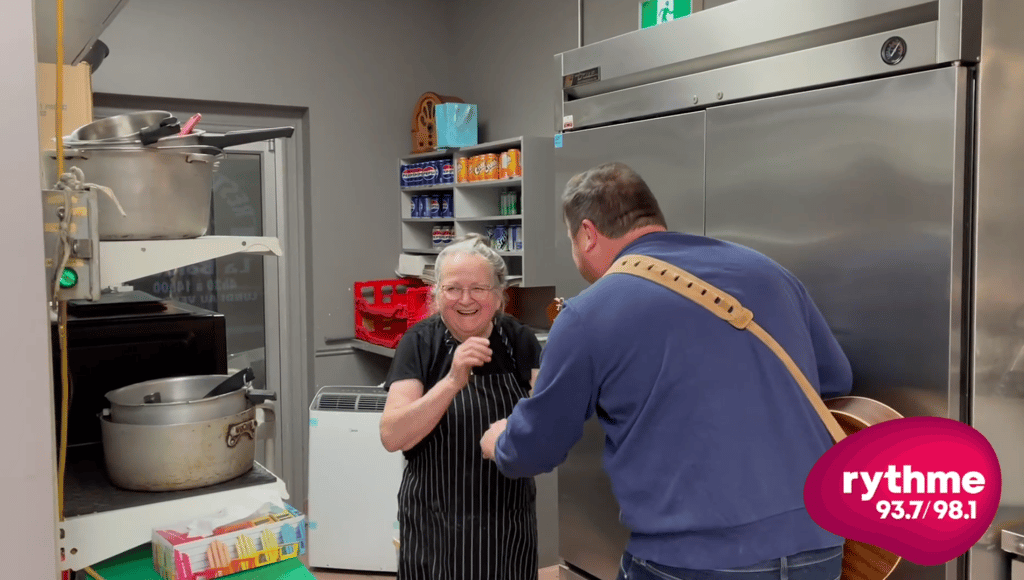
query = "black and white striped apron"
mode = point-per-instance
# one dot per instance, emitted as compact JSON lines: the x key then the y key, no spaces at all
{"x":459,"y":517}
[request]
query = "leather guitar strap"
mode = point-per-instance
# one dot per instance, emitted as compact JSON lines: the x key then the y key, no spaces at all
{"x":727,"y":308}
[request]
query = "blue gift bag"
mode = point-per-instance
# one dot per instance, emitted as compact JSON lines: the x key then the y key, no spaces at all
{"x":456,"y":125}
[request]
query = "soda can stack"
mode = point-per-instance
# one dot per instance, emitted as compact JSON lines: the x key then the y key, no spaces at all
{"x":509,"y":203}
{"x":515,"y":238}
{"x":436,"y":237}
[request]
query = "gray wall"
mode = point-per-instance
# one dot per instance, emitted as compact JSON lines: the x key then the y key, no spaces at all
{"x":357,"y":66}
{"x":503,"y":61}
{"x":29,"y":474}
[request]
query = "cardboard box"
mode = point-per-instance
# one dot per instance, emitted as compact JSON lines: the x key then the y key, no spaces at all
{"x":77,"y":100}
{"x":254,"y":541}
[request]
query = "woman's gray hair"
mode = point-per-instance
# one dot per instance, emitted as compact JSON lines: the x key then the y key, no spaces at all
{"x":476,"y":245}
{"x":614,"y":197}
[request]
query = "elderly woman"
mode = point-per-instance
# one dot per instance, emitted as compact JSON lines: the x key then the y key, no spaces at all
{"x":453,"y":375}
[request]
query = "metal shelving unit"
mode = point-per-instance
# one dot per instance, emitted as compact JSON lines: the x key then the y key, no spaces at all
{"x":102,"y":521}
{"x":476,"y":205}
{"x":121,"y":261}
{"x":93,"y":537}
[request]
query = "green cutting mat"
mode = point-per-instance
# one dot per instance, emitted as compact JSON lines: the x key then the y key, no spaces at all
{"x":137,"y":564}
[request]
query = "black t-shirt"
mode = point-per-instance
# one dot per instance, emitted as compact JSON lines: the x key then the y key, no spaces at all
{"x":426,"y":351}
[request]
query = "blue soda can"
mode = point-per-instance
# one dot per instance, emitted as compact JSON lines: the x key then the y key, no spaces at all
{"x":432,"y":174}
{"x":500,"y":239}
{"x":447,"y":171}
{"x":435,"y":206}
{"x":515,"y":238}
{"x":451,"y":204}
{"x":445,"y":208}
{"x":408,"y":175}
{"x":414,"y":206}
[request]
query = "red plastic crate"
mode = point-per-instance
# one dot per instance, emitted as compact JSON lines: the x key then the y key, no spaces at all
{"x":385,"y":309}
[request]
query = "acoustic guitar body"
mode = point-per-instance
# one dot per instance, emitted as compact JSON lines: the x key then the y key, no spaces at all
{"x":863,"y":561}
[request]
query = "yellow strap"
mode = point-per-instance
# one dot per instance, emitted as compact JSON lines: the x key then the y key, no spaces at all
{"x":727,"y":308}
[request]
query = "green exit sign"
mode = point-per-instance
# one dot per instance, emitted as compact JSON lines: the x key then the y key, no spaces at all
{"x":654,"y":12}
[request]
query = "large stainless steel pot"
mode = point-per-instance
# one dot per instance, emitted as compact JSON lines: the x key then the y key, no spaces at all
{"x":177,"y":400}
{"x":166,"y":194}
{"x":125,"y":126}
{"x":182,"y":456}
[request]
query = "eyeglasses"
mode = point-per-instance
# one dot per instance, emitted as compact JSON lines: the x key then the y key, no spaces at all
{"x":475,"y":292}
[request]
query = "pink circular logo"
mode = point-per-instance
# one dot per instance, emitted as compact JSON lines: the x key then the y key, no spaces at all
{"x":923,"y":488}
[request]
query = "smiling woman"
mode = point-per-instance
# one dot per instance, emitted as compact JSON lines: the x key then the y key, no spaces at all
{"x":453,"y":375}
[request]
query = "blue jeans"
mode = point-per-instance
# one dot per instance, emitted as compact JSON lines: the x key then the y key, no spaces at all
{"x":826,"y":564}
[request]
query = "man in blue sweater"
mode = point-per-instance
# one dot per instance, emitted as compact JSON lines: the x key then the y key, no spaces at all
{"x":709,"y":439}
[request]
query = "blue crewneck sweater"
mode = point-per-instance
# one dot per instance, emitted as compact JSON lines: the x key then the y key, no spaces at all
{"x":709,"y":438}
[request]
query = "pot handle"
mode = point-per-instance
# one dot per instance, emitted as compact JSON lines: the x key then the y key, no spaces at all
{"x":265,"y":428}
{"x":233,"y":138}
{"x":259,"y":396}
{"x":164,"y":128}
{"x":199,"y":158}
{"x":239,"y":430}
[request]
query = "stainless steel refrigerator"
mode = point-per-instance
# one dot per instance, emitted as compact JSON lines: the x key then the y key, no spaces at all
{"x":876,"y":150}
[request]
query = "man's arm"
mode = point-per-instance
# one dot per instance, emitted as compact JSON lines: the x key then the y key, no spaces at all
{"x":543,"y":428}
{"x":834,"y":373}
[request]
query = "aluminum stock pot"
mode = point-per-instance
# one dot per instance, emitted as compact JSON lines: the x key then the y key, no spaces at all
{"x":176,"y":400}
{"x":171,"y":434}
{"x":165,"y":193}
{"x":178,"y":457}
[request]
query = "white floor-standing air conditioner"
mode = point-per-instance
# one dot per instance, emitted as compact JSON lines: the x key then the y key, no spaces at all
{"x":353,"y":482}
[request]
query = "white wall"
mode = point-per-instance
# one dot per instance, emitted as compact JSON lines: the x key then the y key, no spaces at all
{"x":27,"y":479}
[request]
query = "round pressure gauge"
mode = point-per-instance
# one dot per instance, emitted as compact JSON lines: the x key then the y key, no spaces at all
{"x":893,"y":50}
